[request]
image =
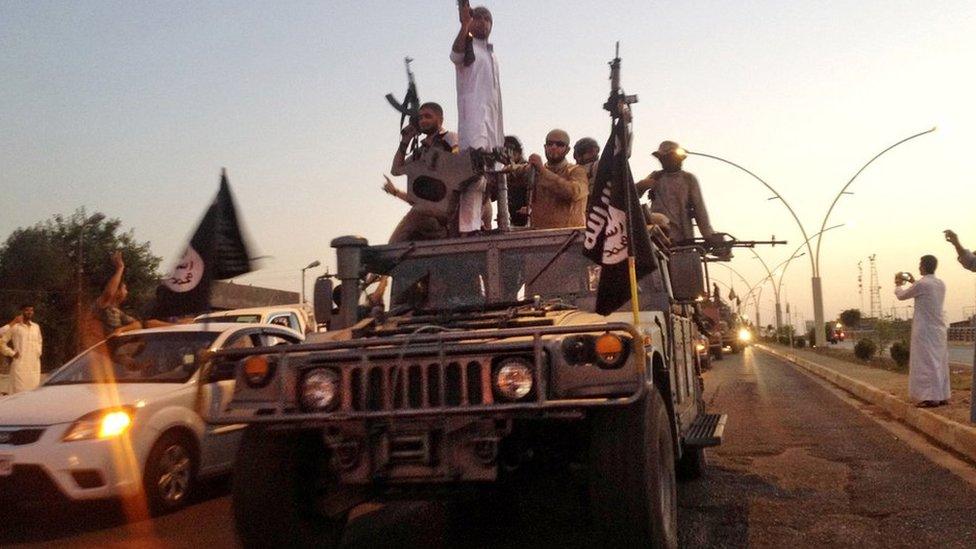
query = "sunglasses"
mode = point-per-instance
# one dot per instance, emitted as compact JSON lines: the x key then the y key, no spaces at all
{"x":556,"y":144}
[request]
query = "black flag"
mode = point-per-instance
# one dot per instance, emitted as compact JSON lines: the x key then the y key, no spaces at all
{"x":216,"y":252}
{"x":612,"y":232}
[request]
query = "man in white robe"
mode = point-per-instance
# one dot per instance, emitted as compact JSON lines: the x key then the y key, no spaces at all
{"x":479,"y":99}
{"x":928,"y":367}
{"x":22,"y":343}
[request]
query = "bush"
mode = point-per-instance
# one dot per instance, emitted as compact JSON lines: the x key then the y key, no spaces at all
{"x":800,"y":342}
{"x":865,"y":349}
{"x":900,"y":353}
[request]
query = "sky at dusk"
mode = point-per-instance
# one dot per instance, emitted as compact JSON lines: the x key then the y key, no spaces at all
{"x":132,"y":108}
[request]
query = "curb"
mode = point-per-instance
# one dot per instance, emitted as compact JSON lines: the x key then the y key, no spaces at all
{"x":953,"y":435}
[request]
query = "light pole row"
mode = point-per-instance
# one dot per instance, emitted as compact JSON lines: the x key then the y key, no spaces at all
{"x":816,"y":283}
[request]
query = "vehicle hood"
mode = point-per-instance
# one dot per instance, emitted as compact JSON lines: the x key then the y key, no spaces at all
{"x":52,"y":404}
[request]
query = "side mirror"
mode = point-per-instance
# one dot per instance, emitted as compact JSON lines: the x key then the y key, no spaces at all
{"x":322,"y":300}
{"x":687,"y":275}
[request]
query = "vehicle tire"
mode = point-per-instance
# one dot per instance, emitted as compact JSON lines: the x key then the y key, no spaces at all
{"x":278,"y":481}
{"x":170,"y":473}
{"x":632,"y":486}
{"x":692,"y":464}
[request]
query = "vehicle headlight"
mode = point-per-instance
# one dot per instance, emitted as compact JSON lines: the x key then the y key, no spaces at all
{"x":611,"y":350}
{"x":700,"y":347}
{"x":513,"y":378}
{"x":100,"y":424}
{"x":745,"y":335}
{"x":319,"y":390}
{"x":258,"y":370}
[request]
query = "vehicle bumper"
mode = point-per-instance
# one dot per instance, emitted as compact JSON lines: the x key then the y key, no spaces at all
{"x":80,"y":470}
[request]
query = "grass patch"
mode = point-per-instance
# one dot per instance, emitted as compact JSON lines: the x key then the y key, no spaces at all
{"x":880,"y":362}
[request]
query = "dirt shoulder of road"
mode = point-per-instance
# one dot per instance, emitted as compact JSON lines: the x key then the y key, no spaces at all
{"x":947,"y":425}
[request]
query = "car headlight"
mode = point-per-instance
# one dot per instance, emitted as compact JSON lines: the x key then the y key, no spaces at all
{"x":100,"y":424}
{"x":258,"y":370}
{"x":513,"y":378}
{"x":611,"y":350}
{"x":700,"y":347}
{"x":745,"y":335}
{"x":319,"y":390}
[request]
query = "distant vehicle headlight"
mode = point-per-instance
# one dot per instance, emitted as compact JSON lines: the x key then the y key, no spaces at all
{"x":700,"y":347}
{"x":319,"y":390}
{"x":745,"y":335}
{"x":513,"y":378}
{"x":100,"y":424}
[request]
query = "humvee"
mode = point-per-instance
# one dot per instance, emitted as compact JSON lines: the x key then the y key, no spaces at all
{"x":488,"y":358}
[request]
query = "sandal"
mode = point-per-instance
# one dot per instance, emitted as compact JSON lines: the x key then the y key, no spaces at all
{"x":927,"y":404}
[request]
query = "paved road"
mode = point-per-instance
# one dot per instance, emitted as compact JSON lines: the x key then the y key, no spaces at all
{"x":800,"y":467}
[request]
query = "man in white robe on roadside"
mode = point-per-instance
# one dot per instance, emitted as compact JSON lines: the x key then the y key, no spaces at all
{"x":479,"y":100}
{"x":928,"y":367}
{"x":22,"y":342}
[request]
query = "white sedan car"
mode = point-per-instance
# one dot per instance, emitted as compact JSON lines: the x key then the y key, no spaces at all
{"x":121,"y":420}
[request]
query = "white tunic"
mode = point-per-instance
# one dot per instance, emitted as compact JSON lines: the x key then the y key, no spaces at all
{"x":25,"y":370}
{"x":479,"y":100}
{"x":928,"y":368}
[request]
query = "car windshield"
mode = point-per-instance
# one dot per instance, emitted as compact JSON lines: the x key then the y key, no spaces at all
{"x":163,"y":357}
{"x":251,"y":318}
{"x":440,"y":282}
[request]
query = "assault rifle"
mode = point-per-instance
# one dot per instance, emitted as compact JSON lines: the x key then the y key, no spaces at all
{"x":410,"y":106}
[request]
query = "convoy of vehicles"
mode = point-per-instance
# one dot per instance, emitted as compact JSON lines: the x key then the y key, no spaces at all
{"x":121,"y":419}
{"x":488,"y":360}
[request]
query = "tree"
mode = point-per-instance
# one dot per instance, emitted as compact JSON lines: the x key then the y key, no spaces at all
{"x":40,"y":265}
{"x":851,"y":318}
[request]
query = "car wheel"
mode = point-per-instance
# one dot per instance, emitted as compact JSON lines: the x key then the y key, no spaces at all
{"x":280,"y":482}
{"x":632,"y":486}
{"x":170,"y":475}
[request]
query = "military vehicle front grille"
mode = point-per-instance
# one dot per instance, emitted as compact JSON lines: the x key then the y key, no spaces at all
{"x":417,"y":385}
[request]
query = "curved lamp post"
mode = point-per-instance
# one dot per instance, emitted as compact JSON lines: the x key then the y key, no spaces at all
{"x":311,"y":265}
{"x":814,"y":256}
{"x":819,"y":334}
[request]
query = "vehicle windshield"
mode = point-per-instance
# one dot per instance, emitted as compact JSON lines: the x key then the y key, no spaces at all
{"x":456,"y":280}
{"x":163,"y":357}
{"x":440,"y":282}
{"x":251,"y":318}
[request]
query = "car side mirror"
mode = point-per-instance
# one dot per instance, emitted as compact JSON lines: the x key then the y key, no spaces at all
{"x":687,"y":275}
{"x":322,"y":300}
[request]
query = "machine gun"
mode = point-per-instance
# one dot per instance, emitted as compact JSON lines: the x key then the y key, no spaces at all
{"x":409,"y":108}
{"x":719,"y":245}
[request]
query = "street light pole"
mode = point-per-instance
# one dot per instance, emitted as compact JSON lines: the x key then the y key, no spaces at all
{"x":803,"y":231}
{"x":818,"y":318}
{"x":311,"y":265}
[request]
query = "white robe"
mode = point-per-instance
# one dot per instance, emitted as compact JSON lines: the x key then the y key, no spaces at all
{"x":25,"y":370}
{"x":928,"y":368}
{"x":479,"y":99}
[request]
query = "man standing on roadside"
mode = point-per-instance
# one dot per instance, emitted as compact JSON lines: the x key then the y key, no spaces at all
{"x":968,"y":261}
{"x":928,"y":367}
{"x":479,"y":100}
{"x":24,"y":338}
